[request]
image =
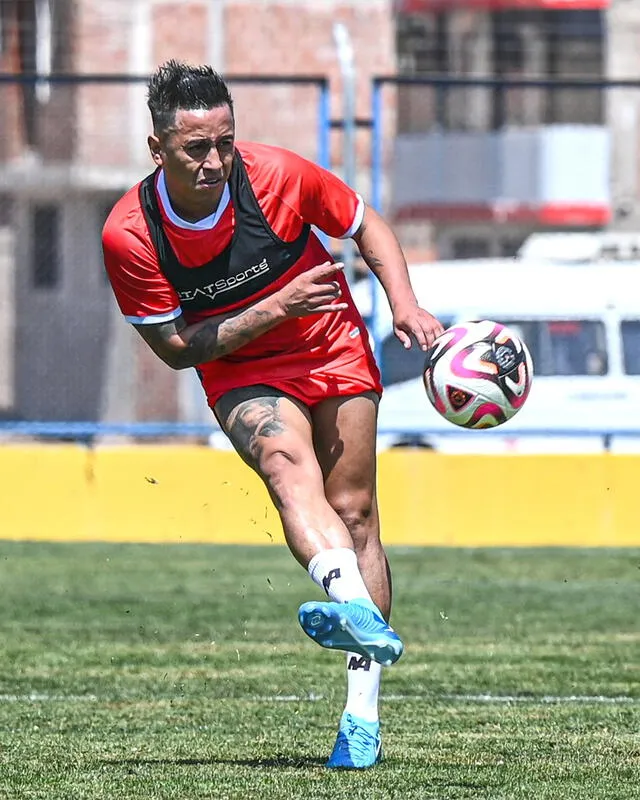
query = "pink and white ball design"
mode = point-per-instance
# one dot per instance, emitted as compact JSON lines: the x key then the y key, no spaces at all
{"x":478,"y":374}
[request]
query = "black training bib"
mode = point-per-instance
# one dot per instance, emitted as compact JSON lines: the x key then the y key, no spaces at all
{"x":254,"y":258}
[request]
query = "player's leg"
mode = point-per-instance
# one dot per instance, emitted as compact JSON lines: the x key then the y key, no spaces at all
{"x":345,"y":442}
{"x":273,"y":433}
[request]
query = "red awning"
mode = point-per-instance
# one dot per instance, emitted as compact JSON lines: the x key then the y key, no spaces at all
{"x":416,"y":6}
{"x":584,"y":215}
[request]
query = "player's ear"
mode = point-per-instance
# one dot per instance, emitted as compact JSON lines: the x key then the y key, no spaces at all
{"x":155,"y":149}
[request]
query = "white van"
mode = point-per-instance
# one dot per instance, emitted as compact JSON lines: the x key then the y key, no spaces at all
{"x":581,"y":323}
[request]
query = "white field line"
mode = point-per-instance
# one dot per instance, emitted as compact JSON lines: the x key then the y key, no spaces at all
{"x":44,"y":697}
{"x":471,"y":698}
{"x":514,"y":698}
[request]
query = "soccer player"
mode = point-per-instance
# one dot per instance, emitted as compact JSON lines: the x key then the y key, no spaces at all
{"x":213,"y":260}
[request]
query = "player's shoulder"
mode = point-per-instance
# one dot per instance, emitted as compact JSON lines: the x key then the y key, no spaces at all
{"x":125,"y":222}
{"x":269,"y":162}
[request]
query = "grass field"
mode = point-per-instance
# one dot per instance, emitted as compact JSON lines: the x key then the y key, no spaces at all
{"x":131,"y":671}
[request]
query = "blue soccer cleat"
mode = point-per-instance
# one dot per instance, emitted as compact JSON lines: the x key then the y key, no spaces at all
{"x":358,"y":745}
{"x":356,"y":626}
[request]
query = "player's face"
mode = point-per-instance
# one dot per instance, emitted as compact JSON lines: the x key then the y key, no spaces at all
{"x":196,"y":158}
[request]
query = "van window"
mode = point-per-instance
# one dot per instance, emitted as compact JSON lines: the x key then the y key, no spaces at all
{"x":631,"y":346}
{"x":397,"y":364}
{"x":557,"y":347}
{"x":564,"y":346}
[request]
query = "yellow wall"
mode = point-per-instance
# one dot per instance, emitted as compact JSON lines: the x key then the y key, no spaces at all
{"x":170,"y":493}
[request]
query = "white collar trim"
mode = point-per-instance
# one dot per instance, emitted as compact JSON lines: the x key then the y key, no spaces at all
{"x":202,"y":224}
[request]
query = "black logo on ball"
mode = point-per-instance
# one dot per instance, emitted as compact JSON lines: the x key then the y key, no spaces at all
{"x":506,"y":358}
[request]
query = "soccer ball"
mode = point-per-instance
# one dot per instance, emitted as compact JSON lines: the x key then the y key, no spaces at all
{"x":478,"y":374}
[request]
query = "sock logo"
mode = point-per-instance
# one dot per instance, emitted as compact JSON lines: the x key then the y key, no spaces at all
{"x":326,"y":581}
{"x":359,"y":663}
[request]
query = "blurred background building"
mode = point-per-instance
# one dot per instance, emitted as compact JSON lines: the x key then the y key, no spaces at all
{"x":466,"y":170}
{"x":513,"y":160}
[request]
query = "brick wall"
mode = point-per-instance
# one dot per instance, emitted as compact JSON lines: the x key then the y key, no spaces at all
{"x":288,"y":37}
{"x":276,"y":37}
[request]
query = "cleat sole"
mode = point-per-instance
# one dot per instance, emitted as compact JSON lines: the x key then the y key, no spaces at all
{"x":328,"y":628}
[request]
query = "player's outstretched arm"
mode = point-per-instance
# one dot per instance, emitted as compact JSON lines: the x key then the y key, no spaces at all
{"x":181,"y":346}
{"x":383,"y":255}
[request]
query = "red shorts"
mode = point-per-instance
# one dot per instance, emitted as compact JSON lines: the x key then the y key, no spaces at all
{"x":311,"y":358}
{"x":308,"y":383}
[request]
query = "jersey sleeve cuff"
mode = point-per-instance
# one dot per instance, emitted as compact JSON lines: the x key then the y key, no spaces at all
{"x":357,"y":220}
{"x":154,"y":319}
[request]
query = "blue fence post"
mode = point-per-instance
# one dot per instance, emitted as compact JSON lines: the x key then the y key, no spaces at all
{"x":324,"y":124}
{"x":376,"y":144}
{"x":376,"y":202}
{"x":324,"y":135}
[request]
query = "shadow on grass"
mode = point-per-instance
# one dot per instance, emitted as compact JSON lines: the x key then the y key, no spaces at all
{"x":277,"y":762}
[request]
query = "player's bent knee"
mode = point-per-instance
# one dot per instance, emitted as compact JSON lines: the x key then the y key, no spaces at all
{"x":358,"y":512}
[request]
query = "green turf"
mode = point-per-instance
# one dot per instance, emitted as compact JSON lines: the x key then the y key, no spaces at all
{"x":131,"y":671}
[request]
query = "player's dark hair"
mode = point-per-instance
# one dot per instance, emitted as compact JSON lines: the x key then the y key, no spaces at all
{"x":176,"y":85}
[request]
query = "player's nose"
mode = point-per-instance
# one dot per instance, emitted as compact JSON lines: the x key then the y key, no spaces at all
{"x":212,"y":161}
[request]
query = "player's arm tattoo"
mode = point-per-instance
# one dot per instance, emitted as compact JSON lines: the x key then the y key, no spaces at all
{"x":182,"y":346}
{"x":218,"y":337}
{"x":251,"y":422}
{"x":367,"y":252}
{"x":372,"y":260}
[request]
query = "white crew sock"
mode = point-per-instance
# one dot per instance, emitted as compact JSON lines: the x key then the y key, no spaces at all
{"x":363,"y":687}
{"x":336,"y":571}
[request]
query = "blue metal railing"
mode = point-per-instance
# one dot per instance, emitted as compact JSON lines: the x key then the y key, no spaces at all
{"x":171,"y":430}
{"x":321,"y":82}
{"x":88,"y":430}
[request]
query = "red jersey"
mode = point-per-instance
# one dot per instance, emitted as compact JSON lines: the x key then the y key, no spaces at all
{"x":290,"y":194}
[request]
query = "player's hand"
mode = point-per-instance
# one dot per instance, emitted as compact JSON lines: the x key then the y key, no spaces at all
{"x":313,"y":292}
{"x":410,"y":322}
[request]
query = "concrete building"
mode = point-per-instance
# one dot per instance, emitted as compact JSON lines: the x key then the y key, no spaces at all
{"x":510,"y":161}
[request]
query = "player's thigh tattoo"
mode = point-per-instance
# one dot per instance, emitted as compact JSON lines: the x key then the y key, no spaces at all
{"x":250,"y":415}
